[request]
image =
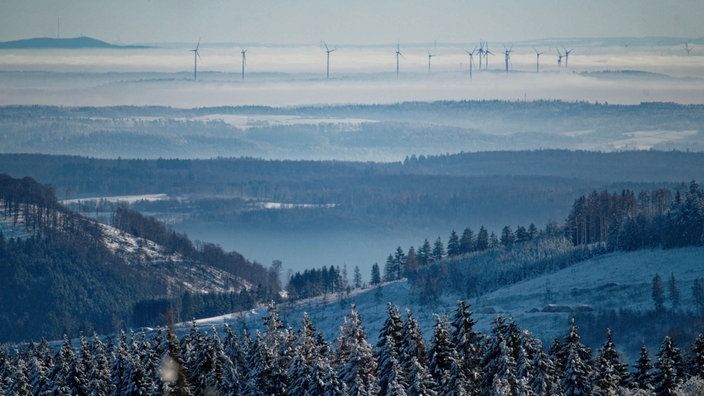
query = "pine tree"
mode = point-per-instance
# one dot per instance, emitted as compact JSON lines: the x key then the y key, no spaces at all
{"x":390,"y":269}
{"x":413,"y":348}
{"x":467,"y":343}
{"x":308,"y":369}
{"x":610,"y":373}
{"x":696,"y":362}
{"x":20,"y":383}
{"x":498,"y":363}
{"x":68,"y":376}
{"x":355,"y":359}
{"x":467,"y":242}
{"x":357,"y":278}
{"x":482,"y":242}
{"x":260,"y":361}
{"x":658,"y":294}
{"x":425,"y":253}
{"x":453,"y":245}
{"x":543,"y":381}
{"x":507,"y":237}
{"x":575,"y":381}
{"x":421,"y":383}
{"x":388,"y":349}
{"x":577,"y":369}
{"x":99,"y":381}
{"x":376,"y":275}
{"x":674,"y":293}
{"x":442,"y":353}
{"x":438,"y":252}
{"x":642,"y":377}
{"x":40,"y":365}
{"x":395,"y":380}
{"x":666,"y":375}
{"x":172,"y":369}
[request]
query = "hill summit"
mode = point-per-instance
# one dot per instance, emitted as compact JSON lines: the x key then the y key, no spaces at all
{"x":61,"y":43}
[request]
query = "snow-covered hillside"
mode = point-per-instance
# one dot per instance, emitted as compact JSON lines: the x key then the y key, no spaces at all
{"x":613,"y":281}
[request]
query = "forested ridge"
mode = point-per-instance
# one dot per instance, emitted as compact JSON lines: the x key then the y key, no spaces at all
{"x":59,"y":276}
{"x":455,"y":360}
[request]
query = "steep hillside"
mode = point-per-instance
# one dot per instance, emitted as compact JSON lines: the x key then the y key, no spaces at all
{"x":64,"y":273}
{"x":543,"y":305}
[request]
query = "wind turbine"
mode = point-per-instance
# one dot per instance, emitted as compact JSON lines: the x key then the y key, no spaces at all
{"x":567,"y":55}
{"x":507,"y":55}
{"x":430,"y":56}
{"x":327,"y":54}
{"x":537,"y":60}
{"x":481,"y":52}
{"x":559,"y":57}
{"x":398,"y":53}
{"x":688,"y":49}
{"x":471,"y":60}
{"x":196,"y":56}
{"x":244,"y":59}
{"x":486,"y":55}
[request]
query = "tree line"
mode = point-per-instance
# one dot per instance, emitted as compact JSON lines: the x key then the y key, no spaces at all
{"x":630,"y":221}
{"x":278,"y":360}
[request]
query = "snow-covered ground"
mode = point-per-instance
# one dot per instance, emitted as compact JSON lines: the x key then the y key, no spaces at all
{"x":613,"y":281}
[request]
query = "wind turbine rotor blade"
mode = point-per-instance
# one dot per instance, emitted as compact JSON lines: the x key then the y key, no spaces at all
{"x":197,"y":45}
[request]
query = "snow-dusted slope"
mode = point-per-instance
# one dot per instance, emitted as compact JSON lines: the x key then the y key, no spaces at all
{"x":613,"y":281}
{"x":151,"y":258}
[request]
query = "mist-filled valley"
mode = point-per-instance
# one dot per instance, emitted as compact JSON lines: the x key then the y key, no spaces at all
{"x":176,"y":183}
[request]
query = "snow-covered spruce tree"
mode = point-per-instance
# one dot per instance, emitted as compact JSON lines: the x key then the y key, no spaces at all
{"x":395,"y":380}
{"x":68,"y":376}
{"x":609,"y":374}
{"x":40,"y":363}
{"x":310,"y":370}
{"x":543,"y":381}
{"x":577,"y":371}
{"x":280,"y":343}
{"x":442,"y":353}
{"x":666,"y":375}
{"x":498,"y":364}
{"x":412,"y":346}
{"x":20,"y":384}
{"x":234,"y":351}
{"x":99,"y":381}
{"x":695,"y":366}
{"x":172,"y":369}
{"x":576,"y":379}
{"x":260,"y":380}
{"x":467,"y":343}
{"x":421,"y":383}
{"x":354,"y":358}
{"x":389,"y":344}
{"x":556,"y":356}
{"x":642,"y":377}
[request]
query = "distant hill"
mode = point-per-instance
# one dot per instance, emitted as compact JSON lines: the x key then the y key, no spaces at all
{"x":64,"y":273}
{"x":61,"y":43}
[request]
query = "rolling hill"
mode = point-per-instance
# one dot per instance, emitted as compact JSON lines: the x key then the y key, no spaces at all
{"x":61,"y":43}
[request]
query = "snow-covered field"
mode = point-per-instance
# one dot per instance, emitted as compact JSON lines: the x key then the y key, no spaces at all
{"x":613,"y":281}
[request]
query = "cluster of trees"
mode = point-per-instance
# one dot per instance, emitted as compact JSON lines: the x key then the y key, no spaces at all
{"x":148,"y":227}
{"x":401,"y":264}
{"x":630,"y":221}
{"x":457,"y":360}
{"x":57,"y":275}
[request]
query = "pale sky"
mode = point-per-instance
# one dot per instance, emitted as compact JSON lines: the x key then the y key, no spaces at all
{"x":348,"y":22}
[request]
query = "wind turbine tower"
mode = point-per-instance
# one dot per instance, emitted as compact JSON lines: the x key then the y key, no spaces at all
{"x":486,"y":55}
{"x":507,"y":56}
{"x":688,"y":49}
{"x":481,"y":52}
{"x":471,"y":60}
{"x":244,"y":59}
{"x":567,"y":55}
{"x":430,"y":56}
{"x":537,"y":60}
{"x":398,"y":54}
{"x":196,"y":56}
{"x":327,"y":64}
